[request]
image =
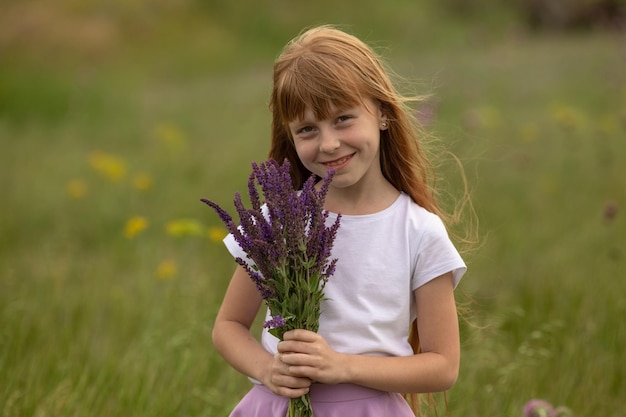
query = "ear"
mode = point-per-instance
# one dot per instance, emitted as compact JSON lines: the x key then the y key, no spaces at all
{"x":382,"y":117}
{"x":383,"y":124}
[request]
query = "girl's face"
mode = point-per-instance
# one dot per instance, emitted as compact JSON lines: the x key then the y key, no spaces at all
{"x":347,"y":142}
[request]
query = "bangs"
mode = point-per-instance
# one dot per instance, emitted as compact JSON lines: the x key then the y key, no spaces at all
{"x":321,"y":84}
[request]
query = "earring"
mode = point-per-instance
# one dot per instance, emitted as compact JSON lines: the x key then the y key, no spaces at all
{"x":383,"y":125}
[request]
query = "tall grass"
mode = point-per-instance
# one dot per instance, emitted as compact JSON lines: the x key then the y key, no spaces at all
{"x":111,"y":271}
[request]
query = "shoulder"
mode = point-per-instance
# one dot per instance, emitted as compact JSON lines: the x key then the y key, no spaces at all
{"x":432,"y":251}
{"x":418,"y":219}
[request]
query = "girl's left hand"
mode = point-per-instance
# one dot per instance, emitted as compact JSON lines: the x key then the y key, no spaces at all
{"x":308,"y":355}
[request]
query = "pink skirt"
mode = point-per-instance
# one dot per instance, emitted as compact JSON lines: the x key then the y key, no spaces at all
{"x":344,"y":400}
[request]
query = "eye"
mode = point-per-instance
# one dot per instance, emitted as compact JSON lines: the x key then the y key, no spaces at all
{"x":343,"y":118}
{"x":304,"y":132}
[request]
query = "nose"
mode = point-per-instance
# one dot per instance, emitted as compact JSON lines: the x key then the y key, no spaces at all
{"x":329,"y":142}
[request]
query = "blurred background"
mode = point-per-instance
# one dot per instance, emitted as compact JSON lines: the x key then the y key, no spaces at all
{"x":117,"y":116}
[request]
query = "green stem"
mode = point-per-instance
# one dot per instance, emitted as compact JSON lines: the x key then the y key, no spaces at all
{"x":300,"y":407}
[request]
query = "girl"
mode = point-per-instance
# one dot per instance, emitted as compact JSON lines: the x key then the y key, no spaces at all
{"x":334,"y":107}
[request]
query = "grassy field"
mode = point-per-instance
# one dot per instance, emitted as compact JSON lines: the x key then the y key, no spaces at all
{"x":115,"y":119}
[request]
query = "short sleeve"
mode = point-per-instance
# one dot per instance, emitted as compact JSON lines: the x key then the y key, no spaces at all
{"x":233,"y":247}
{"x":435,"y":254}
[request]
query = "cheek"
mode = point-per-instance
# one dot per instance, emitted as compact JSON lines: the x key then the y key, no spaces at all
{"x":305,"y":150}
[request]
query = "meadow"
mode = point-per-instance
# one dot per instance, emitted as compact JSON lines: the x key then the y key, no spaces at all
{"x":117,"y":117}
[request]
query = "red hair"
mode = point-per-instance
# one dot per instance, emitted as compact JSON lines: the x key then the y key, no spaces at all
{"x":325,"y":67}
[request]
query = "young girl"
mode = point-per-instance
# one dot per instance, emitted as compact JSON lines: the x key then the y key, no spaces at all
{"x":334,"y":107}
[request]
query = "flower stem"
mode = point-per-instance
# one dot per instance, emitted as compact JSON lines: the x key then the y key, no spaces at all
{"x":300,"y":407}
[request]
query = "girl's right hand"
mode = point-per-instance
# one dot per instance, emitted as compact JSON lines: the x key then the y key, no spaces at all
{"x":281,"y":382}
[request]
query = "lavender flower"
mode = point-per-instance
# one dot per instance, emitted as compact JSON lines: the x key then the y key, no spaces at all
{"x":542,"y":408}
{"x":538,"y":408}
{"x":288,"y":247}
{"x":274,"y":322}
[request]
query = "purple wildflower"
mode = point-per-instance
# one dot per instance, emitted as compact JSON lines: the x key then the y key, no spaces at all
{"x":253,"y":192}
{"x":538,"y":408}
{"x":286,"y":240}
{"x":288,"y":246}
{"x":274,"y":322}
{"x":263,"y":286}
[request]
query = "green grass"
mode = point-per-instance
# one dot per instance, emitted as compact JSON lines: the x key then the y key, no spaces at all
{"x":92,"y":324}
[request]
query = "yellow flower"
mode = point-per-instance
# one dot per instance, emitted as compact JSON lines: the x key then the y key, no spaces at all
{"x":216,"y":234}
{"x":609,"y":125}
{"x":482,"y":117}
{"x":134,"y":226}
{"x":170,"y":135}
{"x":76,"y":188}
{"x":109,"y":166}
{"x":569,"y":117}
{"x":182,"y":227}
{"x":142,"y":181}
{"x":166,"y":269}
{"x":528,"y":132}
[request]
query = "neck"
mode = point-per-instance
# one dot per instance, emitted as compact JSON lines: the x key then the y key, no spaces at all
{"x":359,"y":201}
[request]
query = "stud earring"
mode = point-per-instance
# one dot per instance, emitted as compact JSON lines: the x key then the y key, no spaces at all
{"x":383,"y":125}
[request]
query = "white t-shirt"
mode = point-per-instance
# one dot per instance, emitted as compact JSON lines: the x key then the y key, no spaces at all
{"x":382,"y":258}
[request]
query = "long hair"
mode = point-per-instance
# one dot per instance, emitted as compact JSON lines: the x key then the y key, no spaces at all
{"x":324,"y":68}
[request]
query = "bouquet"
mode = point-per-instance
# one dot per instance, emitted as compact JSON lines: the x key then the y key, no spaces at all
{"x":287,"y":244}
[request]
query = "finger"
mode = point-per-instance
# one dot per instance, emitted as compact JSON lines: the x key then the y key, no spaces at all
{"x":291,"y":381}
{"x":296,"y":346}
{"x":289,"y":385}
{"x":297,"y":359}
{"x":290,"y":392}
{"x":300,"y":334}
{"x":291,"y":346}
{"x":286,"y":361}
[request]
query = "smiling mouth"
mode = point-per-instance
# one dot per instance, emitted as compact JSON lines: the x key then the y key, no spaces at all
{"x":338,"y":162}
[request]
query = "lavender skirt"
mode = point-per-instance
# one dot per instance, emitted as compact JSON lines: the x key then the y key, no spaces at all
{"x":344,"y":400}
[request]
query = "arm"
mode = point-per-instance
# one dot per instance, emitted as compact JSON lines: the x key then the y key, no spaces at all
{"x":433,"y":370}
{"x":233,"y":340}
